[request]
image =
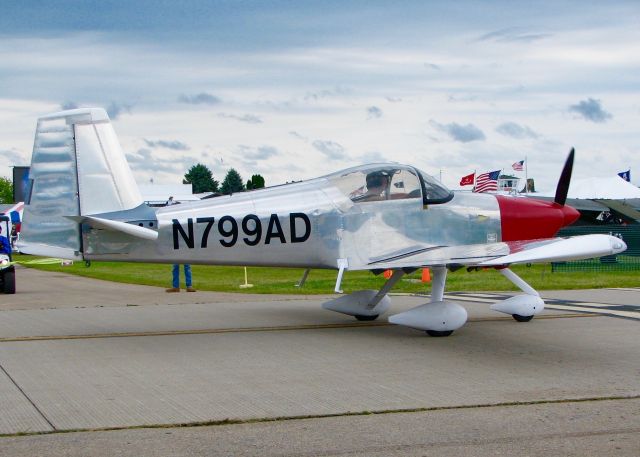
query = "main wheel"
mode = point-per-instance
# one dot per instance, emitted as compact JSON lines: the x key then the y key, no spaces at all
{"x":438,"y":333}
{"x":362,"y":317}
{"x":9,"y":282}
{"x":520,"y":318}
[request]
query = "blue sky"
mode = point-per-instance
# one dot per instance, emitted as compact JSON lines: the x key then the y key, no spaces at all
{"x":293,"y":90}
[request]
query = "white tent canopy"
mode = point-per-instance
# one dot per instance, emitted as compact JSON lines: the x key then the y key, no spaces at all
{"x":162,"y":192}
{"x":609,"y":188}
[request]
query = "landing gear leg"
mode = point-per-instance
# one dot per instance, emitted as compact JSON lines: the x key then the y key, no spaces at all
{"x":382,"y":293}
{"x":521,"y":307}
{"x":364,"y":305}
{"x":438,"y":317}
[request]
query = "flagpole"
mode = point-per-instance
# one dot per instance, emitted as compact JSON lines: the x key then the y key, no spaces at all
{"x":526,"y":175}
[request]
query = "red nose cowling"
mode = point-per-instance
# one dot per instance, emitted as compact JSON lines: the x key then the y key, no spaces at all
{"x":529,"y":219}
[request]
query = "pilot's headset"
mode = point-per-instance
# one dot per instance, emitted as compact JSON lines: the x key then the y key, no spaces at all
{"x":376,"y":178}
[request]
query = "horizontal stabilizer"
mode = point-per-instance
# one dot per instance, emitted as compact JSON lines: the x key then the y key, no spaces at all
{"x":117,"y":226}
{"x":46,"y":250}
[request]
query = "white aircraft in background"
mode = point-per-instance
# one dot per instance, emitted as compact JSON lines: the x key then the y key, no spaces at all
{"x":84,"y":204}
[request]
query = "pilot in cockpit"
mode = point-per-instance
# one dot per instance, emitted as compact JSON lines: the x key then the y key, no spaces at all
{"x":377,"y":186}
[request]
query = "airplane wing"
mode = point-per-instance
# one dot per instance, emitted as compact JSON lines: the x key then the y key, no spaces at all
{"x":504,"y":253}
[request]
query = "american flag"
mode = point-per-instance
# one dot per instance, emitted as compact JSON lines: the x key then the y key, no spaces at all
{"x":487,"y":181}
{"x":518,"y":165}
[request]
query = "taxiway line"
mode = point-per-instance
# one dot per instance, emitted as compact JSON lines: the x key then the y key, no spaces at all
{"x":255,"y":329}
{"x":596,"y":311}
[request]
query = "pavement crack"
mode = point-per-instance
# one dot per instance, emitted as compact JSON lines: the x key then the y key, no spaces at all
{"x":24,"y":394}
{"x":277,"y":328}
{"x":257,"y":420}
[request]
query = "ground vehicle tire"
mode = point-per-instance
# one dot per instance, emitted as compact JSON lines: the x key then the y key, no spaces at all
{"x":9,"y":281}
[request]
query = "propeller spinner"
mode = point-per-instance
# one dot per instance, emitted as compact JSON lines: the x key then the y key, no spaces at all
{"x":530,"y":219}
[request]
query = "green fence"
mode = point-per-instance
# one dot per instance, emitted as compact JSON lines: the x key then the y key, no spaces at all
{"x":627,"y":260}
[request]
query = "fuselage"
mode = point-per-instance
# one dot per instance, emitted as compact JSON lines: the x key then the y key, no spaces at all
{"x":313,"y":223}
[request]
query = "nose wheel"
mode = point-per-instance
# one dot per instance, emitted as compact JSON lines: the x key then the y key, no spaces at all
{"x":438,"y":333}
{"x":520,"y":318}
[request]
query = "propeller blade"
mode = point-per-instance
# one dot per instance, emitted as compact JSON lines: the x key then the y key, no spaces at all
{"x":565,"y":179}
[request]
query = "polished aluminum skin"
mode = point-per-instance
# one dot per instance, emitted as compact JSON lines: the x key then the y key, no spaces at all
{"x":309,"y":224}
{"x":84,"y":204}
{"x":361,"y":217}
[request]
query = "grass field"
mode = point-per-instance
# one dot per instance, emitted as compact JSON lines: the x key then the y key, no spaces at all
{"x":282,"y":280}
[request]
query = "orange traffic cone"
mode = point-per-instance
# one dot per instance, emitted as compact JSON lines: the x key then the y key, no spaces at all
{"x":426,"y":275}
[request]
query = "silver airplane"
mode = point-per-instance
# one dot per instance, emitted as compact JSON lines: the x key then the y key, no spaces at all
{"x":83,"y":204}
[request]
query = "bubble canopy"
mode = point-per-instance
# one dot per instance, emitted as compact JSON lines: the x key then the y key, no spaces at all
{"x":389,"y":181}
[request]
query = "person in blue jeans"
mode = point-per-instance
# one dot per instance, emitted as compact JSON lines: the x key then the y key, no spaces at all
{"x":176,"y":278}
{"x":176,"y":267}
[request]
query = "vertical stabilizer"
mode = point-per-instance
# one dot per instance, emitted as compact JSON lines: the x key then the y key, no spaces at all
{"x":78,"y":168}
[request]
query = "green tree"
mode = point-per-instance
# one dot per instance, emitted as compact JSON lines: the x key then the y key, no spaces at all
{"x":6,"y":190}
{"x":201,"y":179}
{"x":256,"y":182}
{"x":232,"y":183}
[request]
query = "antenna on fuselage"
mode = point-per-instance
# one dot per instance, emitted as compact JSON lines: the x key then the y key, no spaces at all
{"x":565,"y":179}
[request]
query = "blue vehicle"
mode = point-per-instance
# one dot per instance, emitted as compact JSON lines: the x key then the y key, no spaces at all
{"x":7,"y":271}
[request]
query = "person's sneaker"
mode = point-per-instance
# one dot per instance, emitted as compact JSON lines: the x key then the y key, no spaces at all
{"x":190,"y":289}
{"x":173,"y":289}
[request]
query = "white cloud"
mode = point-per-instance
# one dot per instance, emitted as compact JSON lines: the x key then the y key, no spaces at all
{"x":315,"y":92}
{"x":199,"y":99}
{"x":373,"y":112}
{"x":168,"y":144}
{"x":330,"y":149}
{"x":514,"y":34}
{"x":591,"y":110}
{"x":514,"y":130}
{"x":248,"y":118}
{"x":461,"y":133}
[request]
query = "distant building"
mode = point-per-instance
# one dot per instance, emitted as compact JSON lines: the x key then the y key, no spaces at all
{"x":508,"y":184}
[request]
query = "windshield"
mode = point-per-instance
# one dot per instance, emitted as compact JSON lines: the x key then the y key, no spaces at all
{"x":433,"y":190}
